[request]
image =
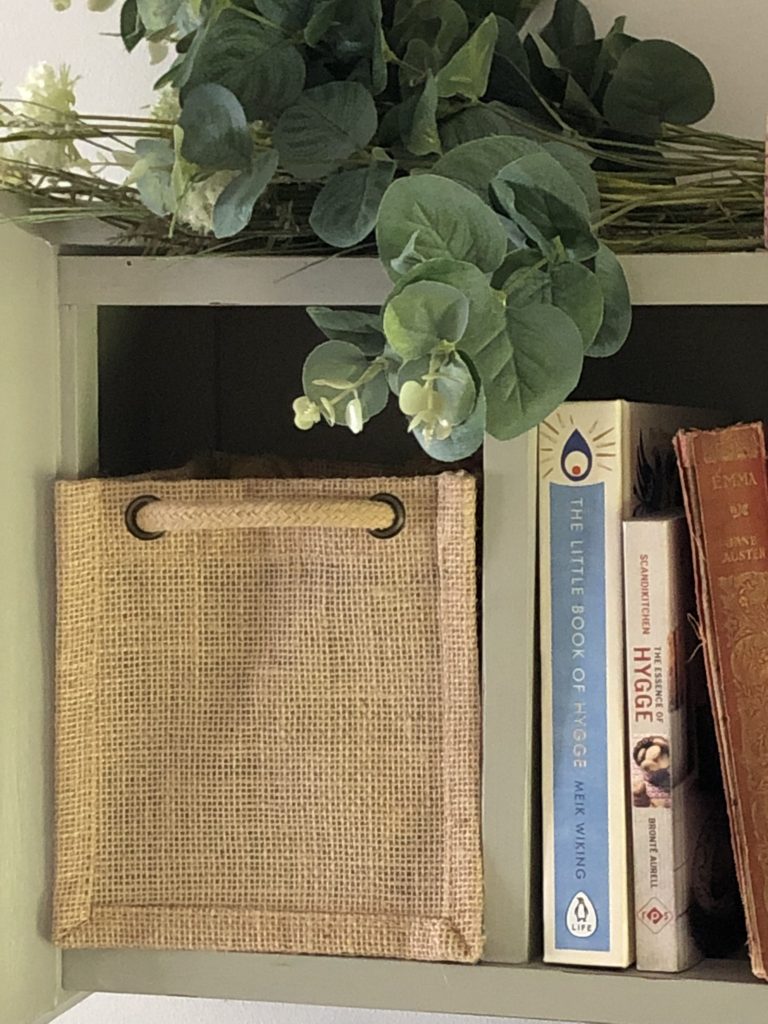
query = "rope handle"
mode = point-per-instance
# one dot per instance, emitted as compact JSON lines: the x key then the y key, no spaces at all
{"x":148,"y":517}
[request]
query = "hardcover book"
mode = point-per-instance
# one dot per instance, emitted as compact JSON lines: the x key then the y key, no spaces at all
{"x":599,"y":463}
{"x":725,"y":485}
{"x":686,"y":899}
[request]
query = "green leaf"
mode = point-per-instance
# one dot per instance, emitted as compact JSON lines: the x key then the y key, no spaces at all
{"x":529,"y":369}
{"x":345,"y":210}
{"x":340,"y":361}
{"x":157,"y":15}
{"x":423,"y":135}
{"x":447,"y":219}
{"x":152,"y":174}
{"x":424,"y":314}
{"x":132,"y":28}
{"x":580,"y":169}
{"x":617,"y":318}
{"x":576,"y":290}
{"x":655,"y":82}
{"x":464,"y":440}
{"x":612,"y":49}
{"x":571,"y":25}
{"x":256,"y":63}
{"x":541,"y":197}
{"x":349,"y":31}
{"x":484,"y":119}
{"x":327,"y":124}
{"x":234,"y":207}
{"x":364,"y":330}
{"x":288,"y":14}
{"x":466,"y":73}
{"x":513,"y":87}
{"x":440,"y":23}
{"x":570,"y":287}
{"x":486,"y":305}
{"x":475,"y":164}
{"x":510,"y":45}
{"x":215,"y":129}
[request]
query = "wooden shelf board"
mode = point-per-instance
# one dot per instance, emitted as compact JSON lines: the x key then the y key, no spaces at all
{"x":655,"y":279}
{"x":708,"y":994}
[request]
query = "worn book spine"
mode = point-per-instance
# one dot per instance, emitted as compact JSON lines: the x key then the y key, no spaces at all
{"x":726,"y":492}
{"x":666,"y":810}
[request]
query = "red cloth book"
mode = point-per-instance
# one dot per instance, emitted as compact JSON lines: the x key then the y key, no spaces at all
{"x":725,"y":486}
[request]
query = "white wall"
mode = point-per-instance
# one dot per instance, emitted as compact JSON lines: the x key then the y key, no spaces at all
{"x":731,"y":39}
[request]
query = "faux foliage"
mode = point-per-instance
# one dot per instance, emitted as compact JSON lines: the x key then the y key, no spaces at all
{"x":490,"y":164}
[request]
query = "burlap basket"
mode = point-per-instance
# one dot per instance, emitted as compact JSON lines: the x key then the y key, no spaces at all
{"x":268,"y":735}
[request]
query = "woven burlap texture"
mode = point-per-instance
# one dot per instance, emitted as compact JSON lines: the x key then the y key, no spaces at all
{"x":269,"y":740}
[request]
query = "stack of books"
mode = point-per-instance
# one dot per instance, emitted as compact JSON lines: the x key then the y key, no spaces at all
{"x":637,"y":850}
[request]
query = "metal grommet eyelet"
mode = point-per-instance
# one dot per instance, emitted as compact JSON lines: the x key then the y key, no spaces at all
{"x":398,"y":508}
{"x":131,"y":514}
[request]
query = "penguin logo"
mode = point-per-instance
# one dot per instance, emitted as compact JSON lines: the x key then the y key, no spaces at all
{"x":581,"y":916}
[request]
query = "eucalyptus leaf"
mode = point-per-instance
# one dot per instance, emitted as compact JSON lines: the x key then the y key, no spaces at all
{"x":423,"y":315}
{"x":152,"y":175}
{"x":349,"y":32}
{"x":612,"y":49}
{"x":579,"y":166}
{"x":510,"y":45}
{"x":484,"y":119}
{"x":440,"y":23}
{"x":617,"y":318}
{"x":447,"y":219}
{"x":423,"y":136}
{"x":327,"y":124}
{"x":513,"y":87}
{"x":343,"y":363}
{"x":215,"y":129}
{"x":419,"y":60}
{"x":581,"y":62}
{"x":486,"y":305}
{"x":577,"y":291}
{"x":234,"y":207}
{"x":364,"y":330}
{"x":529,"y":284}
{"x":475,"y":164}
{"x":571,"y":25}
{"x":577,"y":103}
{"x":345,"y":210}
{"x":464,"y":439}
{"x":157,"y":15}
{"x":529,"y":370}
{"x":655,"y":82}
{"x":541,"y":197}
{"x":288,"y":14}
{"x":408,"y":258}
{"x":466,"y":73}
{"x":258,"y":64}
{"x":132,"y":29}
{"x":547,"y":75}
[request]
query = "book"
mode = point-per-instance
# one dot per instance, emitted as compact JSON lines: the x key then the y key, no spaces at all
{"x":725,"y":486}
{"x":686,"y":897}
{"x":599,"y":462}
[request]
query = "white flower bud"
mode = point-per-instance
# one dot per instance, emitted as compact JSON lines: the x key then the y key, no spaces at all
{"x":354,"y":415}
{"x":305,"y":413}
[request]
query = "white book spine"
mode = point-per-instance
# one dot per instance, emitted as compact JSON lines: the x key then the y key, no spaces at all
{"x":664,"y":804}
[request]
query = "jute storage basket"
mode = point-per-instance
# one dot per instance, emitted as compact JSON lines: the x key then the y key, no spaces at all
{"x":268,"y":718}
